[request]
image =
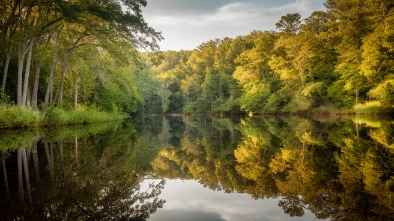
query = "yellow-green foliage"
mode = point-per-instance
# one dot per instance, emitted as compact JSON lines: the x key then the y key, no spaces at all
{"x":58,"y":116}
{"x":18,"y":117}
{"x":384,"y":93}
{"x":372,"y":106}
{"x":16,"y":139}
{"x":80,"y":131}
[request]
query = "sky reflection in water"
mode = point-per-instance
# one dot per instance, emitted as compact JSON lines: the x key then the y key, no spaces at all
{"x":189,"y":200}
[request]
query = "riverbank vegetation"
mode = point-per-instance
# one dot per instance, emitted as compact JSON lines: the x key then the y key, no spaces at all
{"x":334,"y":61}
{"x":66,"y":62}
{"x":79,"y":58}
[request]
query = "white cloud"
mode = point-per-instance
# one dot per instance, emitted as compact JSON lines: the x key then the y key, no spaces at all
{"x":231,"y":20}
{"x":192,"y":198}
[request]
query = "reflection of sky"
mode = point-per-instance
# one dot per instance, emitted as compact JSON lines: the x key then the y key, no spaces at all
{"x":189,"y":200}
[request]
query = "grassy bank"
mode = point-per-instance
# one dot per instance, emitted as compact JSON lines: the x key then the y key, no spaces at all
{"x":18,"y":117}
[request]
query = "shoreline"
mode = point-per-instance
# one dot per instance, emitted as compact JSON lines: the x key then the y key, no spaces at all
{"x":20,"y":118}
{"x":308,"y":113}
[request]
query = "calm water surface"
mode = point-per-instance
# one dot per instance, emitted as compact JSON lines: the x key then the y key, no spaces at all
{"x":200,"y":168}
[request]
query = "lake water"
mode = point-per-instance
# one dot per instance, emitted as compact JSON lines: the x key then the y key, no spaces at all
{"x":201,"y":168}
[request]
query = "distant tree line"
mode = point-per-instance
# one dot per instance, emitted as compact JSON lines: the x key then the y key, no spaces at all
{"x":338,"y":59}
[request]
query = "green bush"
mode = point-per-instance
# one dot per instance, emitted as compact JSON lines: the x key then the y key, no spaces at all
{"x":18,"y":117}
{"x":58,"y":116}
{"x":368,"y":107}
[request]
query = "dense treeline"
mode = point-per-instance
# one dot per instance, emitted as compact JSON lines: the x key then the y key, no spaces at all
{"x":338,"y":59}
{"x":73,"y":54}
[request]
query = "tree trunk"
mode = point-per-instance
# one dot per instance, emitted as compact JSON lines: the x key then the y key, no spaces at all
{"x":36,"y":164}
{"x":60,"y":148}
{"x":34,"y":97}
{"x":21,"y":58}
{"x":5,"y":176}
{"x":27,"y":73}
{"x":48,"y":94}
{"x":27,"y":177}
{"x":64,"y":71}
{"x":6,"y":65}
{"x":20,"y":177}
{"x":220,"y":87}
{"x":50,"y":164}
{"x":76,"y":149}
{"x":76,"y":93}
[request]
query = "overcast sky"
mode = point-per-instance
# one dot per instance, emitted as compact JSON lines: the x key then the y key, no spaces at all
{"x":185,"y":24}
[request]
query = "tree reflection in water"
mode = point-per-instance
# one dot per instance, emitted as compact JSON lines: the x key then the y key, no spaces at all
{"x":84,"y":176}
{"x":338,"y":169}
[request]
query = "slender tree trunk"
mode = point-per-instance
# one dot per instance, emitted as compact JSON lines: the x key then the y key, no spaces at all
{"x":20,"y":177}
{"x":27,"y":177}
{"x":48,"y":94}
{"x":76,"y":149}
{"x":50,"y":164}
{"x":6,"y":65}
{"x":27,"y":73}
{"x":34,"y":97}
{"x":76,"y":93}
{"x":55,"y":97}
{"x":64,"y":71}
{"x":21,"y":58}
{"x":36,"y":164}
{"x":28,"y":100}
{"x":51,"y":95}
{"x":60,"y":147}
{"x":5,"y":176}
{"x":357,"y":93}
{"x":220,"y":87}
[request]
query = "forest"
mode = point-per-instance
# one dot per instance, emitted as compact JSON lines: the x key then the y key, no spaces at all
{"x":62,"y":57}
{"x":340,"y":59}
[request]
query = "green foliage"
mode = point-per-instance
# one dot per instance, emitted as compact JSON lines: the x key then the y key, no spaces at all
{"x":278,"y":100}
{"x":339,"y":96}
{"x":15,"y":139}
{"x":77,"y":53}
{"x":199,"y":106}
{"x":331,"y":62}
{"x":289,"y":23}
{"x":14,"y":116}
{"x":254,"y":99}
{"x":368,"y":107}
{"x":58,"y":116}
{"x":384,"y":93}
{"x":298,"y":103}
{"x":316,"y":89}
{"x":5,"y":100}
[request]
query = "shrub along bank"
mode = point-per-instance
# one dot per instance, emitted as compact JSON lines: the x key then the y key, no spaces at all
{"x":18,"y":117}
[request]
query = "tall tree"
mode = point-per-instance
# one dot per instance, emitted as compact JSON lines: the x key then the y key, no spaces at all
{"x":289,"y":23}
